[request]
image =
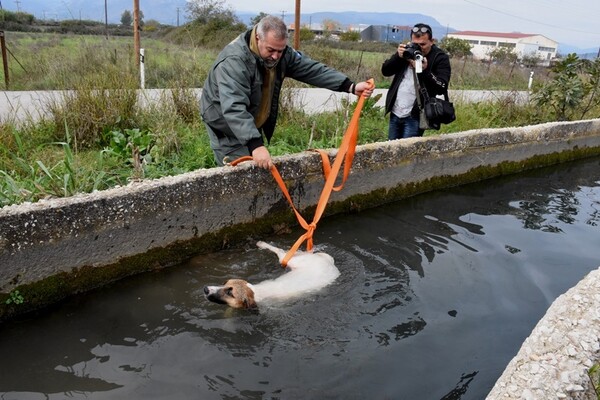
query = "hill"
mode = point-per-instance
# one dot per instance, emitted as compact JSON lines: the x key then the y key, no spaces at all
{"x":172,"y":12}
{"x":353,"y":18}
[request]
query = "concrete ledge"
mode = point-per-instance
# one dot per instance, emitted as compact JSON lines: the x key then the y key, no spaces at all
{"x":553,"y":361}
{"x":53,"y":248}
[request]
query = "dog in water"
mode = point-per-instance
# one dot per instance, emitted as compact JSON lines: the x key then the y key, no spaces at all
{"x":307,"y":272}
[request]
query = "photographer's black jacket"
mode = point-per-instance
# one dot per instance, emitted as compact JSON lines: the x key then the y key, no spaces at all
{"x":435,"y":78}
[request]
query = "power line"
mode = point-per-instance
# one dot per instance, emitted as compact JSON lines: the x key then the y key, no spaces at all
{"x":530,"y":20}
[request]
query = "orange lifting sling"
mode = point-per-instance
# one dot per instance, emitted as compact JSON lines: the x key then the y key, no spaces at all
{"x":345,"y":154}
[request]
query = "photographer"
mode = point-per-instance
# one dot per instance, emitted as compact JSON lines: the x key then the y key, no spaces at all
{"x":433,"y":72}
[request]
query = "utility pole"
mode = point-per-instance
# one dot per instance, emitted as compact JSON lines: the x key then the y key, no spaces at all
{"x":18,"y":5}
{"x":178,"y":17}
{"x":136,"y":30}
{"x":105,"y":18}
{"x":297,"y":26}
{"x":283,"y":15}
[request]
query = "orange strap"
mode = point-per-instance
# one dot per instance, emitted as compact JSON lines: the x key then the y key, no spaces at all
{"x":345,"y":154}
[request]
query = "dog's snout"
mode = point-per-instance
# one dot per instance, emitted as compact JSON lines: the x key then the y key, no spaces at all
{"x":206,"y":290}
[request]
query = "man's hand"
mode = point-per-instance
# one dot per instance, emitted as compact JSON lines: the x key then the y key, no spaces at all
{"x":262,"y":158}
{"x":363,"y":89}
{"x":401,"y":48}
{"x":423,"y":63}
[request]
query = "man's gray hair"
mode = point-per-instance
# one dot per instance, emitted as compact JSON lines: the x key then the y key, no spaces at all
{"x":272,"y":24}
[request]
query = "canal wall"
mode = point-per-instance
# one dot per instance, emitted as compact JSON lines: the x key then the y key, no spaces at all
{"x":58,"y":247}
{"x":554,"y":360}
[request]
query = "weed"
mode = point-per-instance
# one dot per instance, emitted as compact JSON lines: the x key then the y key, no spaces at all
{"x":102,"y":133}
{"x":575,"y":90}
{"x":594,"y":375}
{"x":132,"y":145}
{"x":15,"y":297}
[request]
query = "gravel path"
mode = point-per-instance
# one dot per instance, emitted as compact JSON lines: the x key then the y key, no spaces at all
{"x":553,"y":361}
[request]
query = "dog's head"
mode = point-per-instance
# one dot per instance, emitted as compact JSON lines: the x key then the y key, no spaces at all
{"x":236,"y":293}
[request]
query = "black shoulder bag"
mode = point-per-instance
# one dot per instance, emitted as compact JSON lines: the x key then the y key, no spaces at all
{"x":435,"y":111}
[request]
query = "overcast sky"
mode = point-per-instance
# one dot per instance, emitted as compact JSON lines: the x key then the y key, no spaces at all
{"x":575,"y":22}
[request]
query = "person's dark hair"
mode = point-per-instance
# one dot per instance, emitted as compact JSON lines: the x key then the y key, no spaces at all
{"x":422,"y":29}
{"x":272,"y":24}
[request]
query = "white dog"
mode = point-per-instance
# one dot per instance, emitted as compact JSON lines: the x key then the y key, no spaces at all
{"x":308,"y":272}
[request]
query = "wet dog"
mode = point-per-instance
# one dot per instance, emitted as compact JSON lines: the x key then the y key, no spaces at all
{"x":306,"y":272}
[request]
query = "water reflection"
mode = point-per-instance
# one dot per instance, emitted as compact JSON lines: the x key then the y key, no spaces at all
{"x":426,"y":285}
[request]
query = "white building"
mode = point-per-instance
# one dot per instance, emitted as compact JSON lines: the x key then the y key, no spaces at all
{"x":524,"y":44}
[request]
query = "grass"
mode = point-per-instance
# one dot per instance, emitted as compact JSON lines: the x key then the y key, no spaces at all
{"x":36,"y":163}
{"x":53,"y":62}
{"x":57,"y":62}
{"x":594,"y":375}
{"x":103,"y":137}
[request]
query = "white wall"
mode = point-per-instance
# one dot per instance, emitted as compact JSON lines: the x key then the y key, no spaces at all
{"x":536,"y":45}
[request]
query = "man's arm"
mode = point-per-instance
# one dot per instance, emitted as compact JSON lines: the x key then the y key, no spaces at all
{"x":307,"y":70}
{"x":392,"y":65}
{"x":438,"y":76}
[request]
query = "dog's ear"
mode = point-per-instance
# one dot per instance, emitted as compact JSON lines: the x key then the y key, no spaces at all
{"x":249,"y":303}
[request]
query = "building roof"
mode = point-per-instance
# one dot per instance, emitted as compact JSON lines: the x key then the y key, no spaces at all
{"x":509,"y":35}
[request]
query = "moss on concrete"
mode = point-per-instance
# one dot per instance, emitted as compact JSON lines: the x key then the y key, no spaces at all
{"x":55,"y":288}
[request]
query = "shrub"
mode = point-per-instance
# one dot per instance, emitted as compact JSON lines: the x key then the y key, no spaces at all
{"x":94,"y":106}
{"x":574,"y":91}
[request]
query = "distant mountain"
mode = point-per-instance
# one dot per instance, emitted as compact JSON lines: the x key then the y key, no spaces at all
{"x":164,"y":11}
{"x":354,"y":18}
{"x":564,"y":49}
{"x":172,"y":12}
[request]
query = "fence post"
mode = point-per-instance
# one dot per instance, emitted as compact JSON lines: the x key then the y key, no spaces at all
{"x":142,"y":72}
{"x":530,"y":81}
{"x":4,"y":59}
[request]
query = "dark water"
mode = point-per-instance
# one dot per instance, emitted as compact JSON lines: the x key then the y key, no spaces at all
{"x":436,"y":295}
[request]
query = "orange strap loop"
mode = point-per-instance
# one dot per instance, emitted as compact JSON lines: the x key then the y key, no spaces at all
{"x":344,"y":155}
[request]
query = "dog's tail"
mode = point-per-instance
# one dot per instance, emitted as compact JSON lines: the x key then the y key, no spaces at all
{"x":280,"y":252}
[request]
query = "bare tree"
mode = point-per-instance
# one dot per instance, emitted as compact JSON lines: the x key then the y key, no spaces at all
{"x":203,"y":11}
{"x":256,"y":19}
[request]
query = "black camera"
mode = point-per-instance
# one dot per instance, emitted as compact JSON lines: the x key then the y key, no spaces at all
{"x":412,"y":51}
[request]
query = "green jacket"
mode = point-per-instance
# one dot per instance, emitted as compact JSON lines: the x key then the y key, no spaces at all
{"x":232,"y":91}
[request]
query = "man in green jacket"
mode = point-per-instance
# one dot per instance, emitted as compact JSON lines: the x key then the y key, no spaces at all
{"x":240,"y":98}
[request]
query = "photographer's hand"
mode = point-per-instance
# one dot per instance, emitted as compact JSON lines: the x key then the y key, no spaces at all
{"x":423,"y":63}
{"x":401,"y":48}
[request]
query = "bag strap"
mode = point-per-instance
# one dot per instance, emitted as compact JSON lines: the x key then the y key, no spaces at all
{"x":423,"y":91}
{"x":446,"y":97}
{"x":417,"y":89}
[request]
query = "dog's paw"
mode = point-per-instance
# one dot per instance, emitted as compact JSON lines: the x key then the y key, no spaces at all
{"x":262,"y":244}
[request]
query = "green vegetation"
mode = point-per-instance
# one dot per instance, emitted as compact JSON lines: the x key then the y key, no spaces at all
{"x":15,"y":297}
{"x":594,"y":374}
{"x":98,"y":134}
{"x":575,"y":92}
